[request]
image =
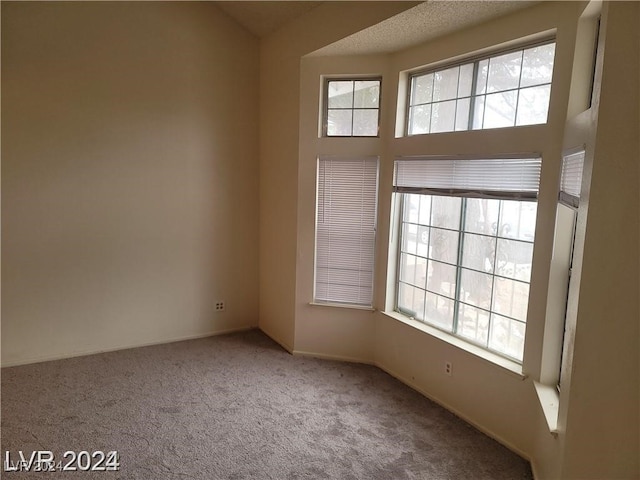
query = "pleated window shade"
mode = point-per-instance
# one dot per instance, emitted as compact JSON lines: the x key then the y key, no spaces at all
{"x":514,"y":178}
{"x":571,"y":178}
{"x":347,"y":189}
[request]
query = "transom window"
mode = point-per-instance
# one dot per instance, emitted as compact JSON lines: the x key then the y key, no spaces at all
{"x":465,"y":251}
{"x":505,"y":90}
{"x":352,"y":107}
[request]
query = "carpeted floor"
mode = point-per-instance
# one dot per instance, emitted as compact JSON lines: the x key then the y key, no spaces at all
{"x":238,"y":407}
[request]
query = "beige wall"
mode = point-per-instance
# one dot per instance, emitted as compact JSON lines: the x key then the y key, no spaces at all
{"x":129,"y":176}
{"x":280,"y":56}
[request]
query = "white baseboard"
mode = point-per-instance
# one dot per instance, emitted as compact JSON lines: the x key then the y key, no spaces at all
{"x":340,"y":358}
{"x":457,"y":413}
{"x":82,"y":353}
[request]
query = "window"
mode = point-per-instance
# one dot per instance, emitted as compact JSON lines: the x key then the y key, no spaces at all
{"x":565,"y":234}
{"x":505,"y":90}
{"x":352,"y":108}
{"x":466,"y":245}
{"x":345,"y":230}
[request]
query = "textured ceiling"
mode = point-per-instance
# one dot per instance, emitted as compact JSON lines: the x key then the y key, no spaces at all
{"x":262,"y":18}
{"x":423,"y":22}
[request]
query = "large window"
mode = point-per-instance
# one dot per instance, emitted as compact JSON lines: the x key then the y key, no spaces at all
{"x":465,"y":252}
{"x":505,"y":90}
{"x":352,"y":107}
{"x":345,"y":230}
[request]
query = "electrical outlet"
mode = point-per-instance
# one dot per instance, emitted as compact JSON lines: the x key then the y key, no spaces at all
{"x":448,"y":368}
{"x":220,"y":306}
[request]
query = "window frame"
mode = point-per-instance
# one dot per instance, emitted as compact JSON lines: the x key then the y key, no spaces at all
{"x":325,"y":104}
{"x":398,"y":220}
{"x":320,"y":205}
{"x":473,"y":60}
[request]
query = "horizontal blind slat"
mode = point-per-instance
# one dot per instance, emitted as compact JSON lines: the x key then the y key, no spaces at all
{"x":345,"y":229}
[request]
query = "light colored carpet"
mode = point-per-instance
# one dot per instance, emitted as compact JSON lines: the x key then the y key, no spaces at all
{"x":239,"y":407}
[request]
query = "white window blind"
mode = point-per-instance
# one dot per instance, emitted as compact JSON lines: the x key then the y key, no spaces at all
{"x":345,"y":229}
{"x":571,"y":177}
{"x":513,"y":177}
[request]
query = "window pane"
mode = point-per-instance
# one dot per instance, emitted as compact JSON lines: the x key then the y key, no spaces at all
{"x":462,"y":114}
{"x":419,"y":119}
{"x":443,"y":245}
{"x":518,"y":220}
{"x":514,"y":259}
{"x":466,"y":80}
{"x":409,"y":236}
{"x":366,"y":94}
{"x":537,"y":65}
{"x":340,"y":94}
{"x":365,"y":123}
{"x":425,"y":209}
{"x":500,"y":109}
{"x":423,"y":241}
{"x":339,"y":122}
{"x":445,"y":84}
{"x":510,"y":298}
{"x":483,"y":70}
{"x":413,"y":270}
{"x":439,"y":311}
{"x":475,"y":288}
{"x":504,"y":72}
{"x":507,"y":336}
{"x":533,"y":105}
{"x":411,"y":207}
{"x":478,"y":112}
{"x":422,"y":89}
{"x":441,"y":279}
{"x":473,"y":323}
{"x":443,"y":116}
{"x":478,"y":252}
{"x":445,"y":212}
{"x":482,"y":215}
{"x":411,"y":301}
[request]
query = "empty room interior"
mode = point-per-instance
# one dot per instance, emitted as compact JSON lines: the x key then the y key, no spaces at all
{"x":440,"y":198}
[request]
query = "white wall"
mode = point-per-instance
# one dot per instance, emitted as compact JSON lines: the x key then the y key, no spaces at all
{"x":129,"y":175}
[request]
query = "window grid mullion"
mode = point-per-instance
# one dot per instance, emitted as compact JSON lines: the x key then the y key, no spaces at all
{"x":493,"y":276}
{"x":456,"y":303}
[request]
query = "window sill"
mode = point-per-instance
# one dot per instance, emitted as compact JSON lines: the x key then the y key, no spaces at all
{"x":507,"y":366}
{"x":343,"y":305}
{"x":550,"y":403}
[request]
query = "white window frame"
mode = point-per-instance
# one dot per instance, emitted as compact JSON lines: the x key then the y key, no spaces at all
{"x":472,"y":62}
{"x":418,"y":177}
{"x":325,"y":105}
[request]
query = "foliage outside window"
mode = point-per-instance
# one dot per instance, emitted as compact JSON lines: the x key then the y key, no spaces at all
{"x":352,"y":108}
{"x":505,"y":90}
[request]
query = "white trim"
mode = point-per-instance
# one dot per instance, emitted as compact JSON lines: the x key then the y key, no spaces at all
{"x":50,"y":358}
{"x":339,"y":358}
{"x":550,"y":403}
{"x":456,"y":412}
{"x":343,"y":305}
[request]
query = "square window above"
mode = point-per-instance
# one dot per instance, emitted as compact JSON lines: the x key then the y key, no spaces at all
{"x":352,"y":107}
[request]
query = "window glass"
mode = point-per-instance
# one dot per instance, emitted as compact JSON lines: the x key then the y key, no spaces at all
{"x":352,"y":108}
{"x":511,"y":89}
{"x":466,"y":267}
